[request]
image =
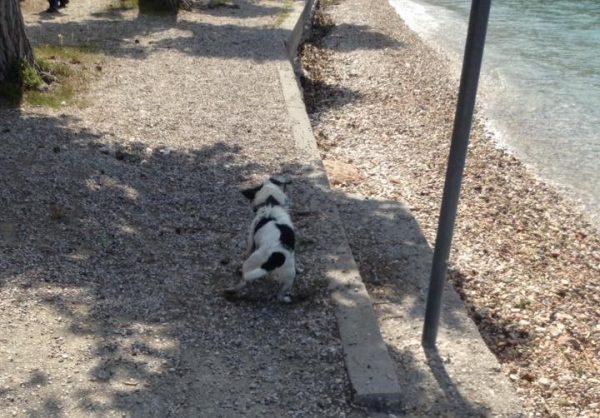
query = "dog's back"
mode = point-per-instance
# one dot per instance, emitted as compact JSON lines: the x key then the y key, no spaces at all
{"x":272,"y":228}
{"x":271,"y":240}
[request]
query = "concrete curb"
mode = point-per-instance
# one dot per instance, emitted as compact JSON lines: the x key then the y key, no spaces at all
{"x":368,"y":363}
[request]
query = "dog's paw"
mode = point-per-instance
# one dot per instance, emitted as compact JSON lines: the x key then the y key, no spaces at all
{"x":287,"y":298}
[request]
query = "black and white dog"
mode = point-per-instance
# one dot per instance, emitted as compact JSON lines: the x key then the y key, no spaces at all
{"x":271,"y":239}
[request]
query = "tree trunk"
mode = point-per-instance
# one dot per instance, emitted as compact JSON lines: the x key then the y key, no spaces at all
{"x":159,"y":5}
{"x":14,"y":45}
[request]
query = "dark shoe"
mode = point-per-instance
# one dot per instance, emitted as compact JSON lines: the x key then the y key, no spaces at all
{"x":52,"y":10}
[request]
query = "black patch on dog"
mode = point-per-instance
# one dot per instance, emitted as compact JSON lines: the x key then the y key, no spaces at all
{"x":271,"y":201}
{"x":276,"y":182}
{"x":280,"y":183}
{"x":287,"y":236}
{"x":262,"y":223}
{"x":251,"y":193}
{"x":274,"y":261}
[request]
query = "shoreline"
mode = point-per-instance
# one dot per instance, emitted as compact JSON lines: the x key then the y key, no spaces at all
{"x":525,"y":260}
{"x":497,"y":128}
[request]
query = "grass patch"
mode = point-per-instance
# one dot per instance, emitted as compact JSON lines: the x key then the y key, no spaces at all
{"x":72,"y":66}
{"x":30,"y":77}
{"x":124,"y":5}
{"x":284,"y":13}
{"x":22,"y":77}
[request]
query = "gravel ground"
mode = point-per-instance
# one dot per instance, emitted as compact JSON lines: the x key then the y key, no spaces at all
{"x":525,"y":260}
{"x":122,"y":221}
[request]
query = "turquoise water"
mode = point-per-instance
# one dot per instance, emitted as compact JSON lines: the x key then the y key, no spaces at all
{"x":540,"y":89}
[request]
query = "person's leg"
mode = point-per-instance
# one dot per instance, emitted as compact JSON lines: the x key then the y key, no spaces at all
{"x":53,"y":5}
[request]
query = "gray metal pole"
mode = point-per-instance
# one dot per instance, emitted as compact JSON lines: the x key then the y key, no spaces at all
{"x":480,"y":10}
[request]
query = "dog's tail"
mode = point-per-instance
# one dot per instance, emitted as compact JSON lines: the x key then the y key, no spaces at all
{"x":255,"y":274}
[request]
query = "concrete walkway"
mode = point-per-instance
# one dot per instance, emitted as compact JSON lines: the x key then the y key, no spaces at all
{"x":122,"y":221}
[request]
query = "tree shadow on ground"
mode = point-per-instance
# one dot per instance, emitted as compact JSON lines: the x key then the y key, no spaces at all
{"x":347,"y":37}
{"x":394,"y":260}
{"x":114,"y":255}
{"x":507,"y":339}
{"x":114,"y":258}
{"x":250,"y":9}
{"x":129,"y":248}
{"x":317,"y":91}
{"x":115,"y":34}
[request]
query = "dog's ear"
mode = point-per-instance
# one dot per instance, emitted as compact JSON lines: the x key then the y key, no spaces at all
{"x":281,"y":182}
{"x":251,"y":193}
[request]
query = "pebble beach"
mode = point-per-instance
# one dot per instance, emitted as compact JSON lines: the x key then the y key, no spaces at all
{"x":525,"y":260}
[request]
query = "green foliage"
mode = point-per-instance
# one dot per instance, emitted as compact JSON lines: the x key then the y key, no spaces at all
{"x":54,"y":98}
{"x":69,"y":67}
{"x":22,"y":77}
{"x":72,"y":54}
{"x":29,"y":76}
{"x":284,"y":13}
{"x":124,"y":5}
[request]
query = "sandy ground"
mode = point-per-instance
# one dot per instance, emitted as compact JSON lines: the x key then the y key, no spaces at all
{"x":122,"y":221}
{"x":525,"y":261}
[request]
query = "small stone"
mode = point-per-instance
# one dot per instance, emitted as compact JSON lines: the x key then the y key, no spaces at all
{"x":105,"y":149}
{"x":557,"y":329}
{"x":544,"y":382}
{"x":528,"y":377}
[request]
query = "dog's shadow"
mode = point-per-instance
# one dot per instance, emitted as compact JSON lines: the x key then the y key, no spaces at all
{"x":252,"y":297}
{"x":260,"y":293}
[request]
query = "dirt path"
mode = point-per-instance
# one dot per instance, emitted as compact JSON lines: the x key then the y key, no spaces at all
{"x":121,"y":221}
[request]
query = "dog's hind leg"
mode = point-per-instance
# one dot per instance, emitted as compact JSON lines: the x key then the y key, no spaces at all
{"x":287,"y":276}
{"x":250,"y":243}
{"x":250,"y":271}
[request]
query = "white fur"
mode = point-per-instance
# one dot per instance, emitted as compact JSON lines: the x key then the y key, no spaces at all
{"x":270,"y":189}
{"x":266,"y":241}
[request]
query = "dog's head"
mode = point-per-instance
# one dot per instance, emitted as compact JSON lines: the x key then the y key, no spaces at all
{"x":270,"y":193}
